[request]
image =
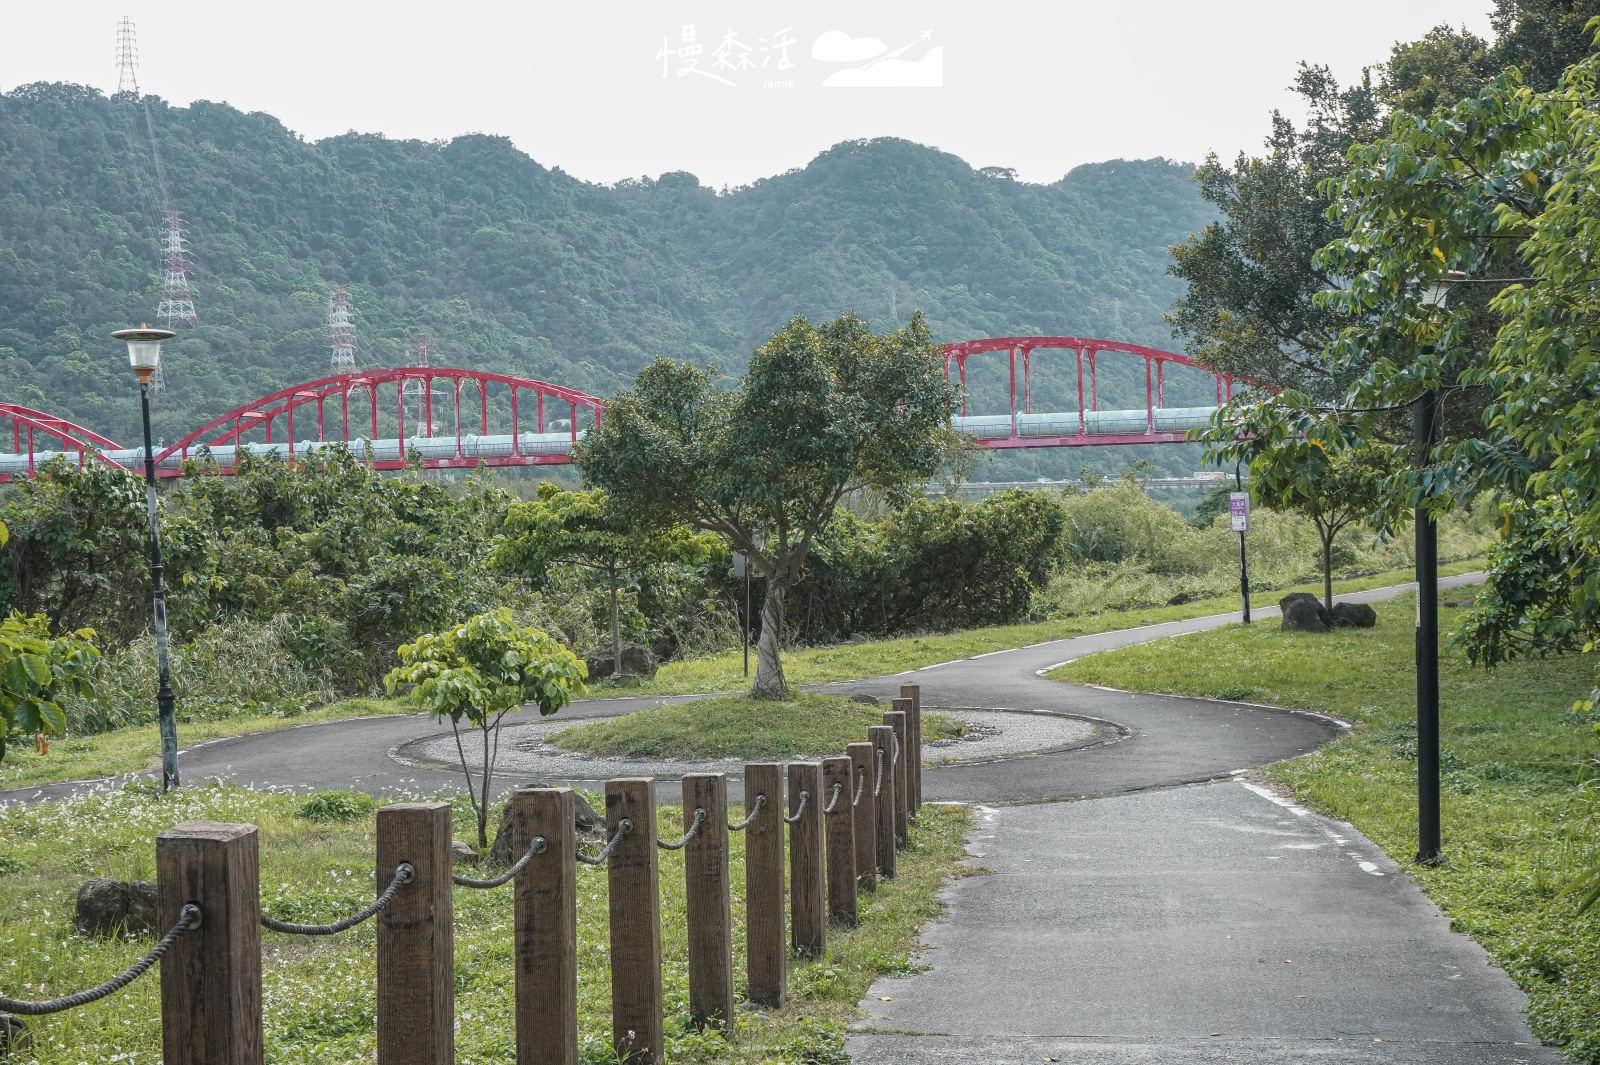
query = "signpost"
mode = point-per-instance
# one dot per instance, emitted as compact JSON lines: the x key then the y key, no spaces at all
{"x":1239,"y":518}
{"x":741,"y":568}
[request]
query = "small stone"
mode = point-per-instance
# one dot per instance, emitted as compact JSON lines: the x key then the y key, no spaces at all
{"x":102,"y":907}
{"x":461,"y":854}
{"x":865,"y":700}
{"x":1354,"y":616}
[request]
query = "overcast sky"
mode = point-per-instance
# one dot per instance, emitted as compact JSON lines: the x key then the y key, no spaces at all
{"x":735,"y":91}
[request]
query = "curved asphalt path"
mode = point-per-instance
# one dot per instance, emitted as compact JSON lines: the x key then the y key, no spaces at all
{"x":1146,"y":741}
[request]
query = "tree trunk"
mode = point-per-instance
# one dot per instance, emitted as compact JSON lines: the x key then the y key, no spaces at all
{"x":1327,"y":570}
{"x":483,"y":806}
{"x":769,"y":667}
{"x":616,"y":630}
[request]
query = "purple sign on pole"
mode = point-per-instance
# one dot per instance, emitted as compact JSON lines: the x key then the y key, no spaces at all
{"x":1239,"y":510}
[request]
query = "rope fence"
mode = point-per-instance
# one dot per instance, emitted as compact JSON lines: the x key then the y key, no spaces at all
{"x":802,"y":872}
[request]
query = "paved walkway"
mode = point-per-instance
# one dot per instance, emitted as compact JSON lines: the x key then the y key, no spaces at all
{"x":1173,"y":912}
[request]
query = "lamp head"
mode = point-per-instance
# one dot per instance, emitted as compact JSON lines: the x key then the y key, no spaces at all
{"x":144,"y":349}
{"x":1438,"y":289}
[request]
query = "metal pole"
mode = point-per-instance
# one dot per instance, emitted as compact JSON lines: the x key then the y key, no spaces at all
{"x":1424,"y":416}
{"x":747,"y":617}
{"x":1244,"y":566}
{"x":165,"y":712}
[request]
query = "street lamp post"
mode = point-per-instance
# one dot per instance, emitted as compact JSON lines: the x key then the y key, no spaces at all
{"x":1424,"y":423}
{"x":144,"y":355}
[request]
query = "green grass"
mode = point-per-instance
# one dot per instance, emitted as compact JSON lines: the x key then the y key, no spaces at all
{"x":1517,"y":824}
{"x":877,"y":658}
{"x":319,"y":994}
{"x":737,"y":726}
{"x":136,"y":749}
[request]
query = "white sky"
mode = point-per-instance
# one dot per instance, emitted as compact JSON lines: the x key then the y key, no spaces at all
{"x":1040,"y":86}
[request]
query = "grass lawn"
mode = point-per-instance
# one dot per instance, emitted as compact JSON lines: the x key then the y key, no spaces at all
{"x":1516,"y":823}
{"x":737,"y":726}
{"x":319,"y":993}
{"x":133,"y":750}
{"x":137,"y":749}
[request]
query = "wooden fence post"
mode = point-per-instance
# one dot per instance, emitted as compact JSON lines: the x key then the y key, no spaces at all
{"x":211,"y":977}
{"x":808,"y":920}
{"x":416,"y":942}
{"x":882,"y":737}
{"x":766,"y":949}
{"x":913,"y":692}
{"x":546,"y":916}
{"x":709,"y":902}
{"x":866,"y":817}
{"x":841,"y":844}
{"x":636,"y":1026}
{"x":896,"y":719}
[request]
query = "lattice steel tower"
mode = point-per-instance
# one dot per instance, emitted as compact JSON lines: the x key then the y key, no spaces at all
{"x":412,"y":389}
{"x":127,"y":58}
{"x":177,"y":298}
{"x":344,"y":343}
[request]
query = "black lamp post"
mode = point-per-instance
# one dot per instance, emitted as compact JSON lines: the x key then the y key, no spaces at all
{"x":144,"y":355}
{"x":1424,"y":423}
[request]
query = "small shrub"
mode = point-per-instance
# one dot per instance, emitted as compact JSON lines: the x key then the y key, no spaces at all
{"x":9,"y":864}
{"x":817,"y":1043}
{"x":336,"y":807}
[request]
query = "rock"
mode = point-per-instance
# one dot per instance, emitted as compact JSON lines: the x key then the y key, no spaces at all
{"x":1303,"y":612}
{"x":1354,"y":616}
{"x":461,"y":854}
{"x":13,"y":1032}
{"x":112,"y":907}
{"x":1180,"y":599}
{"x":637,"y":661}
{"x":866,"y":700}
{"x":1038,"y":618}
{"x":585,"y":821}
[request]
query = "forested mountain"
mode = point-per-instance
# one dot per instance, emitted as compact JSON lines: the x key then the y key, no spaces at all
{"x":514,"y":266}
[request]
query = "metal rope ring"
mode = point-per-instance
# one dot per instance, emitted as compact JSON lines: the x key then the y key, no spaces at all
{"x":877,"y":784}
{"x":188,"y":917}
{"x":861,"y":783}
{"x":403,"y":874}
{"x":761,"y":800}
{"x":623,"y":826}
{"x":833,"y":799}
{"x":699,"y":816}
{"x":800,"y":810}
{"x":538,"y":846}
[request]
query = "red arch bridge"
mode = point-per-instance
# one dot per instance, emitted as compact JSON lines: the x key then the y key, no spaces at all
{"x":444,"y":415}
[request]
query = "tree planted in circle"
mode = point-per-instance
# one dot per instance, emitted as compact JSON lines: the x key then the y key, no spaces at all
{"x":583,"y":529}
{"x":482,"y":670}
{"x":823,"y":411}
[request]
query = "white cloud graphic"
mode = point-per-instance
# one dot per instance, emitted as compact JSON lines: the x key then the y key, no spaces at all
{"x":836,"y":46}
{"x":924,"y":73}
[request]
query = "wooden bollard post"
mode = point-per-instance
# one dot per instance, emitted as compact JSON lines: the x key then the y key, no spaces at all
{"x":709,"y":902}
{"x":766,"y":948}
{"x":546,"y":928}
{"x":211,"y":977}
{"x":865,"y":829}
{"x":808,"y":917}
{"x":896,"y":719}
{"x":636,"y":1026}
{"x":913,"y":692}
{"x":841,"y":842}
{"x":416,"y":938}
{"x":882,"y":737}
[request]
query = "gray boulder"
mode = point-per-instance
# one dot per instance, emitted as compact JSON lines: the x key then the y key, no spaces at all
{"x":585,"y":821}
{"x":112,"y":907}
{"x":1303,"y":612}
{"x":462,"y":853}
{"x":637,"y":661}
{"x":1354,"y":616}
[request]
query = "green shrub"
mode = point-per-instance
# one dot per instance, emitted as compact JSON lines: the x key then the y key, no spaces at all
{"x":336,"y":807}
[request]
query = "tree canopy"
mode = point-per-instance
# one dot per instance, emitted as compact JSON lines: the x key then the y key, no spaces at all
{"x":822,"y":411}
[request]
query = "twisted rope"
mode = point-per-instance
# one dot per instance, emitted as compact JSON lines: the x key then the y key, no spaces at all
{"x":403,"y":874}
{"x":694,"y":829}
{"x":188,"y":918}
{"x":623,"y":827}
{"x":877,"y":783}
{"x":833,"y":799}
{"x":799,"y":811}
{"x":761,"y":800}
{"x":894,"y":746}
{"x":861,"y":783}
{"x":538,"y":846}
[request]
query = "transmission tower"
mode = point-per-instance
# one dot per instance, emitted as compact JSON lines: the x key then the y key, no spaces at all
{"x":127,"y":58}
{"x":344,"y":344}
{"x":413,"y":389}
{"x":177,"y":298}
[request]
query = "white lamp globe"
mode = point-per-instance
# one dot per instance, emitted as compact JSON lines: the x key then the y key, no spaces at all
{"x":144,"y":348}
